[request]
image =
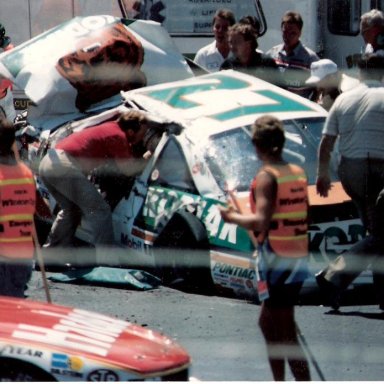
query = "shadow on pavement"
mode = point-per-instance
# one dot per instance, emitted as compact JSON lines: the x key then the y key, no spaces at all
{"x":366,"y":315}
{"x":364,"y":294}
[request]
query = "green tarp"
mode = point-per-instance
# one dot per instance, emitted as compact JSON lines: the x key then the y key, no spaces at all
{"x":106,"y":276}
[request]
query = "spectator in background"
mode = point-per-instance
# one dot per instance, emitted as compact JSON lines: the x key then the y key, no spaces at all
{"x":255,"y":23}
{"x":252,"y":21}
{"x":372,"y":31}
{"x":6,"y":96}
{"x":293,"y":58}
{"x":17,"y":185}
{"x":356,"y":118}
{"x":213,"y":55}
{"x":242,"y":39}
{"x":328,"y":82}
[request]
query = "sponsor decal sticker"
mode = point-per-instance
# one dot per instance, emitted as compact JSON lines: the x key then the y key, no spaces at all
{"x":103,"y":375}
{"x":66,"y":365}
{"x":7,"y":350}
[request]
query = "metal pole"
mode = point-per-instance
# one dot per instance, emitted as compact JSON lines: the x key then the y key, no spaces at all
{"x":310,"y":354}
{"x":40,"y":260}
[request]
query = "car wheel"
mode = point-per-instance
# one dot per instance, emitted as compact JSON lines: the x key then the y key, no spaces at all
{"x":180,"y":376}
{"x":17,"y":370}
{"x":181,"y":252}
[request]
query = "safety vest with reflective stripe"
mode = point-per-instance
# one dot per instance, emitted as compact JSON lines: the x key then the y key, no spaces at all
{"x":288,"y":234}
{"x":17,"y":199}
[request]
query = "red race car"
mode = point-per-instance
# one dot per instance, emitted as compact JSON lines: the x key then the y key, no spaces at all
{"x":47,"y":342}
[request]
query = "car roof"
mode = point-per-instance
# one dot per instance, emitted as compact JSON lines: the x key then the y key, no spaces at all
{"x":220,"y":101}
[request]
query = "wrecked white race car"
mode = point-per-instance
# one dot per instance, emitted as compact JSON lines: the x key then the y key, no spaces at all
{"x":204,"y":145}
{"x":167,"y":217}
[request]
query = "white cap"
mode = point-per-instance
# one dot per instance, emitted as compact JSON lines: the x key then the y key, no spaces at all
{"x":320,"y":69}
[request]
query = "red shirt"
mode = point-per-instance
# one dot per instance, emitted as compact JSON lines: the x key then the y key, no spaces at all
{"x":93,"y":146}
{"x":5,"y":84}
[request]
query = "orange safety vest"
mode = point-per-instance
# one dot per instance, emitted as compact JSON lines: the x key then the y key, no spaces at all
{"x":287,"y":235}
{"x":17,"y":199}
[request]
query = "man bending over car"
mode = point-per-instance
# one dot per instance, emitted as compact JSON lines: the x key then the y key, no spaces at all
{"x":65,"y":172}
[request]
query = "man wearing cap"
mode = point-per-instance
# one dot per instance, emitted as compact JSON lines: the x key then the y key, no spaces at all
{"x":356,"y":118}
{"x":329,"y":82}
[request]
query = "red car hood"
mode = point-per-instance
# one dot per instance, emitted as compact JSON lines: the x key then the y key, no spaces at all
{"x":88,"y":334}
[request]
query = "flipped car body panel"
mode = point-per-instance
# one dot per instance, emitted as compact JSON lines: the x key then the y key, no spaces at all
{"x":81,"y":66}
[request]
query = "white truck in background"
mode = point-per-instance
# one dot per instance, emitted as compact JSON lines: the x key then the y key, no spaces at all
{"x":331,"y":27}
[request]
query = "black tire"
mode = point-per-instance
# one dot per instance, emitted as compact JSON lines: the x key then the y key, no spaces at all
{"x":180,"y":376}
{"x":17,"y":370}
{"x":181,"y":252}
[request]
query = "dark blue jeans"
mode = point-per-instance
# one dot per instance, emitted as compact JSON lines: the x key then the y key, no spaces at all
{"x":14,"y":277}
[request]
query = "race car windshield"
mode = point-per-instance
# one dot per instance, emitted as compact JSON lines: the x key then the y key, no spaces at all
{"x":232,"y":159}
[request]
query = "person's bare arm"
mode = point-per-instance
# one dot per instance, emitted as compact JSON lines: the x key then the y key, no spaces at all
{"x":132,"y":166}
{"x":265,"y":202}
{"x":323,"y":181}
{"x":15,"y":151}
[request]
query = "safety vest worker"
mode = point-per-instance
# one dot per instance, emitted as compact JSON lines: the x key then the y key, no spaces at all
{"x":17,"y":199}
{"x":287,"y":235}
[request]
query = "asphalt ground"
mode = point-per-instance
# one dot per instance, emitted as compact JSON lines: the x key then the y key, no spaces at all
{"x":222,"y":336}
